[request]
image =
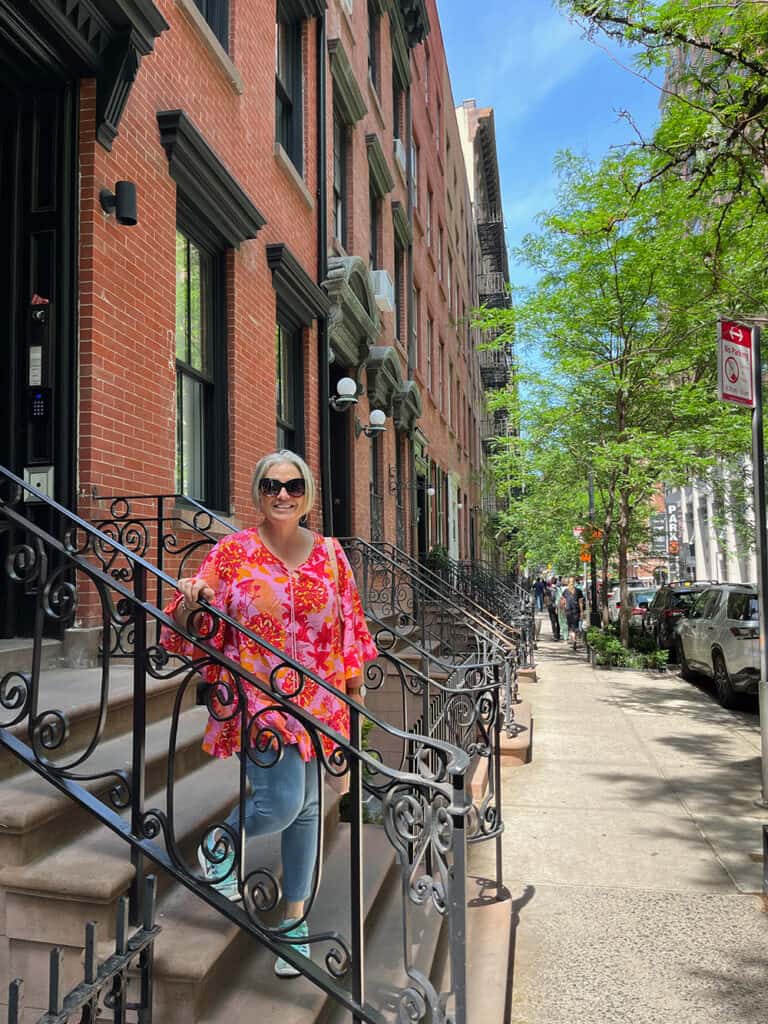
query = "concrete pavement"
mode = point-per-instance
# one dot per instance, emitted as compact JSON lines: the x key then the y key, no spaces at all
{"x":633,"y":851}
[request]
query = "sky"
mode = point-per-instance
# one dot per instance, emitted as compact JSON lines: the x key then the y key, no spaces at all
{"x":550,"y":90}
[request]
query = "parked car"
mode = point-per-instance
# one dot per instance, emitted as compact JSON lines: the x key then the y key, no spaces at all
{"x":640,"y":595}
{"x":671,"y":604}
{"x":720,"y":638}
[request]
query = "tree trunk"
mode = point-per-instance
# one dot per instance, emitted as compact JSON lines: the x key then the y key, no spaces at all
{"x":623,"y":533}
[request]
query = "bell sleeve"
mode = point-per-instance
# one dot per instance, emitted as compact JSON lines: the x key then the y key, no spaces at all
{"x":171,"y":639}
{"x":356,"y":641}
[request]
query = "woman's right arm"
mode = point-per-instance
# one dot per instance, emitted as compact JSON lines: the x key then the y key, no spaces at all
{"x":192,"y":590}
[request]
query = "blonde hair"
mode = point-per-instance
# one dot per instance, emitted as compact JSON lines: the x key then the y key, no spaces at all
{"x":266,"y":463}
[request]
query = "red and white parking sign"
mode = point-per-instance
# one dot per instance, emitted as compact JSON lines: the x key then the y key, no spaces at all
{"x":734,"y":363}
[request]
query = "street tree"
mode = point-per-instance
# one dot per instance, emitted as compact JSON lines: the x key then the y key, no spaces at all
{"x":622,"y":317}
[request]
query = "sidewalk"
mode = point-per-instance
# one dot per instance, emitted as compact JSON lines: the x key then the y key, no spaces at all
{"x":633,"y":851}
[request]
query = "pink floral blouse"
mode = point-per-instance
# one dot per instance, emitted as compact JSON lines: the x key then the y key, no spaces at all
{"x":297,"y":611}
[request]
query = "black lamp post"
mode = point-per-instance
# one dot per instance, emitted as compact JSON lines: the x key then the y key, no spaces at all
{"x":594,"y":613}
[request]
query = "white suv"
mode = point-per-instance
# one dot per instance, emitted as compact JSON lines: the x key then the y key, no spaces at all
{"x":720,"y":638}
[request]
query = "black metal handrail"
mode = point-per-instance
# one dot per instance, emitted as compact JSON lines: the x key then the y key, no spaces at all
{"x":174,"y":526}
{"x":423,"y":809}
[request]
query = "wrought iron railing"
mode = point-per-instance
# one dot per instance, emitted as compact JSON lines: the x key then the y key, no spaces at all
{"x":105,"y":991}
{"x":452,"y":649}
{"x":423,"y":808}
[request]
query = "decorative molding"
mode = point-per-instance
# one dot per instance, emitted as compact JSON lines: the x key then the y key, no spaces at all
{"x":206,"y":184}
{"x":407,"y":406}
{"x":403,"y":230}
{"x":298,"y":10}
{"x":384,"y":376}
{"x":381,"y":176}
{"x":300,"y":300}
{"x":354,"y":324}
{"x":346,"y":91}
{"x":415,"y":20}
{"x":401,"y":64}
{"x":104,"y":39}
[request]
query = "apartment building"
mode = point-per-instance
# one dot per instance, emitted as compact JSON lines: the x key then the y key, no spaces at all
{"x":215,"y":212}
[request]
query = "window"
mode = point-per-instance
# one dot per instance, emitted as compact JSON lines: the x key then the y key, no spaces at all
{"x":216,"y":13}
{"x":397,"y":108}
{"x":441,"y":376}
{"x":399,"y":289}
{"x":440,"y":253}
{"x":418,"y":355}
{"x":449,"y":394}
{"x":450,"y":281}
{"x":200,"y":384}
{"x":426,"y":76}
{"x":415,"y":175}
{"x":429,"y":218}
{"x":742,"y":606}
{"x":288,"y":88}
{"x":430,"y":330}
{"x":288,"y":388}
{"x":339,"y":179}
{"x":375,"y":204}
{"x":438,"y":124}
{"x":373,"y":46}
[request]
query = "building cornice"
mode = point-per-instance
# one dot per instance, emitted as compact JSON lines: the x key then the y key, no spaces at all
{"x":353,"y":321}
{"x":346,"y":92}
{"x":299,"y":297}
{"x":381,"y":176}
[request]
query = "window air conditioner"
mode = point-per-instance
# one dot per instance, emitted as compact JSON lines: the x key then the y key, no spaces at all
{"x":384,"y":290}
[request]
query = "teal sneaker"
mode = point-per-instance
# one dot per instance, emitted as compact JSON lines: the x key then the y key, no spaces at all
{"x":282,"y":968}
{"x":221,"y":876}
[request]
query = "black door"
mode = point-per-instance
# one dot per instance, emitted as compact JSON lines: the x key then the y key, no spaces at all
{"x":421,"y":512}
{"x":341,"y":482}
{"x":37,"y":302}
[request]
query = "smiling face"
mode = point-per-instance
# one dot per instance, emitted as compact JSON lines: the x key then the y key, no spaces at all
{"x":282,"y":508}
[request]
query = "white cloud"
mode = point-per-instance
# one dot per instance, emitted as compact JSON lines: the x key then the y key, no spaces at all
{"x":538,"y":55}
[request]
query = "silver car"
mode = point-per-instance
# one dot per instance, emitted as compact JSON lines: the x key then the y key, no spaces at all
{"x":720,"y":638}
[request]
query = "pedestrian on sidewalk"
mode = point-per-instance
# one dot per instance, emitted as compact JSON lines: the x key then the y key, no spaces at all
{"x":538,"y":591}
{"x":574,"y":610}
{"x":296,"y":589}
{"x":553,"y":606}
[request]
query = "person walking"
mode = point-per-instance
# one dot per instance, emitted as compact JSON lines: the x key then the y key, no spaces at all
{"x":574,"y":610}
{"x":553,"y":607}
{"x":538,"y":591}
{"x":296,"y":589}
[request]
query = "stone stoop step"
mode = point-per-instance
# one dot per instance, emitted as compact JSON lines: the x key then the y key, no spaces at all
{"x":17,"y":652}
{"x":245,"y":988}
{"x":36,"y":818}
{"x":76,"y":692}
{"x":518,"y":749}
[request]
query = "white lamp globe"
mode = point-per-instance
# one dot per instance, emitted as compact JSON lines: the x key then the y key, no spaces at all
{"x":377,"y":418}
{"x":346,"y":388}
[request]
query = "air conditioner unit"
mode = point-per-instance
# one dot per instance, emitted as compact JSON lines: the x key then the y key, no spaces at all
{"x":400,"y":153}
{"x":383,"y":290}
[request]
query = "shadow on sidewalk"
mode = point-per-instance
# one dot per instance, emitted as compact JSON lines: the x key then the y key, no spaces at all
{"x":517,"y":905}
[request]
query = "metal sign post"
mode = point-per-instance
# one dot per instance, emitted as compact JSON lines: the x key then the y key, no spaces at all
{"x":758,"y":480}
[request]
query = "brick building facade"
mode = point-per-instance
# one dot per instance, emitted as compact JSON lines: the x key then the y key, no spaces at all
{"x":303,"y":214}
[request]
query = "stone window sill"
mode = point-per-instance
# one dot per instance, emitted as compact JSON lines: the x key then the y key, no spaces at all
{"x":290,"y":169}
{"x":217,"y":52}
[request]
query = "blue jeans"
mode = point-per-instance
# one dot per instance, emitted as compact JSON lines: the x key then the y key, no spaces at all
{"x":284,"y":798}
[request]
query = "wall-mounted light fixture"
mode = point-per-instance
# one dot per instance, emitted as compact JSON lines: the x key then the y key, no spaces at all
{"x":459,"y":505}
{"x":431,"y":492}
{"x":121,"y":202}
{"x":376,"y":424}
{"x":346,"y":395}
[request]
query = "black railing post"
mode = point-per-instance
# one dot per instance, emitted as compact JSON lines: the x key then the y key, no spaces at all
{"x":147,"y":955}
{"x":457,"y":925}
{"x":160,"y":563}
{"x":139,"y":735}
{"x":15,"y":1001}
{"x":356,"y":879}
{"x":496,"y":755}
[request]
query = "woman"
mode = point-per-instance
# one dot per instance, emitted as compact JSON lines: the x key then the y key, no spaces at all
{"x":574,"y":610}
{"x":295,"y":589}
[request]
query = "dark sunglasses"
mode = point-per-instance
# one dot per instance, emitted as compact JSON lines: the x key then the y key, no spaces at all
{"x":294,"y":488}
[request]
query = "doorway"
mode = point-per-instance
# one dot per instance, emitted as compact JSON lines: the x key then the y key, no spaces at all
{"x":38,"y":155}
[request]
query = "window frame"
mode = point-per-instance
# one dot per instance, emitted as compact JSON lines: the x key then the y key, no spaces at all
{"x":374,"y":47}
{"x":293,"y":432}
{"x":340,"y":189}
{"x":214,"y":441}
{"x":290,"y":93}
{"x":216,"y":14}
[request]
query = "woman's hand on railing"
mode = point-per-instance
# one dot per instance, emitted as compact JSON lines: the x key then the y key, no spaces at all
{"x":192,"y":591}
